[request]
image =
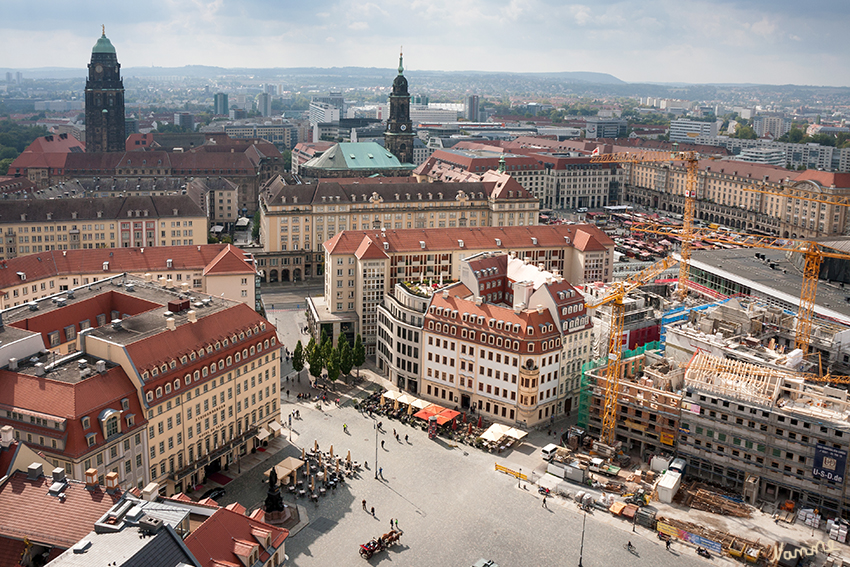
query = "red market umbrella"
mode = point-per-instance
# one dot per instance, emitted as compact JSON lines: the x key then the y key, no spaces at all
{"x":469,"y":432}
{"x":454,"y":425}
{"x":479,"y":422}
{"x":464,"y":418}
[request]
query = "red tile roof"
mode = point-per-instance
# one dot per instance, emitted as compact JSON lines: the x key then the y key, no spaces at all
{"x":156,"y":349}
{"x":226,"y":534}
{"x":153,"y":259}
{"x":825,"y":178}
{"x":480,"y":238}
{"x":368,"y":250}
{"x":27,"y":510}
{"x":72,"y":402}
{"x":229,"y":261}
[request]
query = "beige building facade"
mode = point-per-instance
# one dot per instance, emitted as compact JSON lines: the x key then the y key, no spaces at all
{"x":35,"y":225}
{"x":296,"y":219}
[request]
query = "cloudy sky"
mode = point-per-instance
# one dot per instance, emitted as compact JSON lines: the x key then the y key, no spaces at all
{"x":758,"y":41}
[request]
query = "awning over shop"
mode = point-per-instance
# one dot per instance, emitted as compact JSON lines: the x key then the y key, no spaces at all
{"x":406,"y":399}
{"x":420,"y":404}
{"x":515,"y":433}
{"x":292,"y":463}
{"x":389,"y":395}
{"x":275,"y":427}
{"x":495,"y":432}
{"x":446,"y":415}
{"x":263,"y":434}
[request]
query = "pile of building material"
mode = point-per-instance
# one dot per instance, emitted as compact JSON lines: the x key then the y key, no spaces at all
{"x":702,"y":499}
{"x":837,"y":530}
{"x":726,"y":540}
{"x":808,"y":516}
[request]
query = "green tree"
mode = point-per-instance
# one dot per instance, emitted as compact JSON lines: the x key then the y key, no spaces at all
{"x":311,"y":346}
{"x":794,"y":136}
{"x":327,"y":348}
{"x":212,"y":239}
{"x":314,"y":358}
{"x":346,"y":357}
{"x":255,"y":230}
{"x":745,"y":132}
{"x":4,"y":165}
{"x":333,"y":365}
{"x":287,"y":159}
{"x":226,"y":239}
{"x":298,"y":357}
{"x":359,"y":353}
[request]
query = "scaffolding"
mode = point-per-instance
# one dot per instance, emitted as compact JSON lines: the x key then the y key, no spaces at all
{"x":588,"y":381}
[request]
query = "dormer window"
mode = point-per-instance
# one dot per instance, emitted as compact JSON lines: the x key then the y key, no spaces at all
{"x":86,"y":422}
{"x":125,"y":404}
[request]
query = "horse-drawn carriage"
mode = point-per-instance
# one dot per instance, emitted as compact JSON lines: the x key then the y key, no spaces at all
{"x":367,"y":550}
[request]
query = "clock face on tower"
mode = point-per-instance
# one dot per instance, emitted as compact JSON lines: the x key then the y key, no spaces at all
{"x":99,"y":68}
{"x":403,"y":127}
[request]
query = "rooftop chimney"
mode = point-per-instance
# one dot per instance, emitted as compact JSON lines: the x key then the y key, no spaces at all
{"x":39,"y":369}
{"x":91,"y":479}
{"x":112,"y":482}
{"x":7,"y":436}
{"x":13,"y":364}
{"x":539,"y":309}
{"x":170,"y":325}
{"x":58,"y":474}
{"x":100,"y":365}
{"x":193,"y":317}
{"x":150,"y":492}
{"x":34,"y":471}
{"x":445,"y":294}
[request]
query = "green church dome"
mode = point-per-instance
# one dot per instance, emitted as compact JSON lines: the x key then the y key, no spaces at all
{"x":103,"y":45}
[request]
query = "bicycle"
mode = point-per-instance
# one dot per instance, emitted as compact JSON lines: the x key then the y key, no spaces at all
{"x":630,"y":548}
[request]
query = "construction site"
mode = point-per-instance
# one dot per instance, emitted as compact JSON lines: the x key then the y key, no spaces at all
{"x":732,"y":412}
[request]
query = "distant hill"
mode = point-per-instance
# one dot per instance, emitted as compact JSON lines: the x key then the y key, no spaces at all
{"x":203,"y":71}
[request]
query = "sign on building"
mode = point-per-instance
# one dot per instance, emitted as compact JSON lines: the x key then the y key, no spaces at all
{"x":829,"y":464}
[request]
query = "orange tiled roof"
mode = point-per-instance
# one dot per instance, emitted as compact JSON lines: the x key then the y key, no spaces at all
{"x":474,"y":238}
{"x":226,"y":534}
{"x":27,"y":510}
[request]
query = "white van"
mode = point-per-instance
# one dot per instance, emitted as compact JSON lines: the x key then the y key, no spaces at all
{"x":548,"y":451}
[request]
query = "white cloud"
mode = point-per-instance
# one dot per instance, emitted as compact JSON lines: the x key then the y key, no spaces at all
{"x":358,"y":26}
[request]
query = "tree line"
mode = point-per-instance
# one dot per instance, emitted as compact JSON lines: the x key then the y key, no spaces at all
{"x":339,"y":360}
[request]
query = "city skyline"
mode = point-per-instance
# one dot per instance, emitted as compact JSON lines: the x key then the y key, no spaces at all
{"x":727,"y":41}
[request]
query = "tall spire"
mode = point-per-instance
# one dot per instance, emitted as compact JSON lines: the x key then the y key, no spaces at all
{"x":103,"y":28}
{"x":400,"y":65}
{"x":502,"y":163}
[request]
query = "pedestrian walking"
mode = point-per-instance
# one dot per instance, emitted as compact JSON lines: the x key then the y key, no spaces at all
{"x":395,"y":434}
{"x":544,"y":503}
{"x":364,"y":503}
{"x":405,"y":438}
{"x":668,"y":545}
{"x":396,"y":523}
{"x":287,"y":392}
{"x":381,"y":472}
{"x":373,"y":511}
{"x":382,"y":443}
{"x":391,"y":523}
{"x":344,"y":428}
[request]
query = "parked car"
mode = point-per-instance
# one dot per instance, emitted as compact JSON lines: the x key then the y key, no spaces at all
{"x":214,"y":493}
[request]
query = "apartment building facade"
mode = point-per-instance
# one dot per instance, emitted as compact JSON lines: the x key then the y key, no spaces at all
{"x":202,"y":374}
{"x":723,"y":197}
{"x":499,"y":341}
{"x":39,"y":225}
{"x":296,"y":219}
{"x":214,"y":269}
{"x":558,"y":180}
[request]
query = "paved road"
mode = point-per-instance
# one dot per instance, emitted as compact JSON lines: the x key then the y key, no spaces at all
{"x":453,"y":507}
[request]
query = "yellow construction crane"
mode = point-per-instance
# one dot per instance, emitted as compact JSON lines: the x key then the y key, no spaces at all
{"x":691,"y":160}
{"x":812,"y":252}
{"x":612,"y":372}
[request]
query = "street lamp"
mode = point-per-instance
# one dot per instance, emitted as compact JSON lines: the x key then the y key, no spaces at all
{"x":581,"y":549}
{"x":376,"y":451}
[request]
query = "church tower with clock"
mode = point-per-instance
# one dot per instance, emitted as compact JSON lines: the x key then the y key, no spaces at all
{"x":398,"y":138}
{"x":104,"y":100}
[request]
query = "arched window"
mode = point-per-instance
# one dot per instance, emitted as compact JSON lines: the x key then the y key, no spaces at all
{"x":159,"y":392}
{"x":229,"y":360}
{"x":238,"y":357}
{"x":112,"y":426}
{"x":187,"y":379}
{"x":177,"y":384}
{"x":149,"y":396}
{"x":245,"y":353}
{"x":266,"y":343}
{"x":167,"y":389}
{"x":221,"y":365}
{"x":198,"y":375}
{"x":252,"y":351}
{"x":274,"y":341}
{"x":205,"y":372}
